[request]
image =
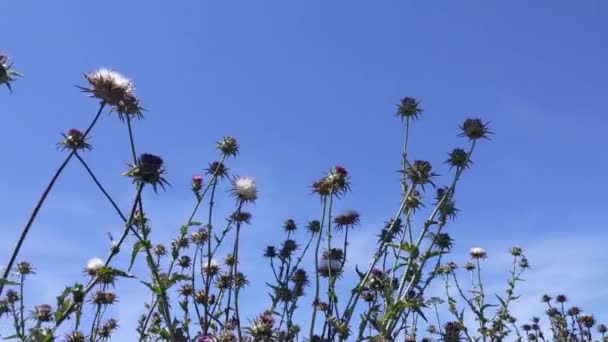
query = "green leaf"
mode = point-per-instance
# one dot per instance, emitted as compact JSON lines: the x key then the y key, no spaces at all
{"x":12,"y":337}
{"x":195,"y":223}
{"x":7,"y":282}
{"x":136,"y":248}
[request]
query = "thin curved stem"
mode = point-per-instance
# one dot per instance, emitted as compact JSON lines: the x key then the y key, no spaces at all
{"x":45,"y":193}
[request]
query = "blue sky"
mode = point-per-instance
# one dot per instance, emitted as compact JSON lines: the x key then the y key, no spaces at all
{"x":308,"y":85}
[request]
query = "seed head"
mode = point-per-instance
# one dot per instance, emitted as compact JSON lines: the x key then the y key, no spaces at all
{"x":244,"y":189}
{"x":469,"y":266}
{"x":475,"y":129}
{"x":601,"y":328}
{"x":210,"y":267}
{"x":587,"y":320}
{"x":12,"y":296}
{"x":93,"y":265}
{"x":228,"y":146}
{"x":408,"y":108}
{"x":109,"y":86}
{"x":573,"y":311}
{"x":478,"y":253}
{"x":546,"y":298}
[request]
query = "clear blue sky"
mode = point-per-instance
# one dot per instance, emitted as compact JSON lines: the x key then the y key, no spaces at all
{"x":305,"y":86}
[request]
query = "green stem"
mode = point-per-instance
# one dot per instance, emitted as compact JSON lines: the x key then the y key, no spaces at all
{"x":317,"y":280}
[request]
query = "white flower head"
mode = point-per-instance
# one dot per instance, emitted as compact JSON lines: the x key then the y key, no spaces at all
{"x":478,"y":253}
{"x":109,"y":86}
{"x":245,"y":189}
{"x":93,"y":265}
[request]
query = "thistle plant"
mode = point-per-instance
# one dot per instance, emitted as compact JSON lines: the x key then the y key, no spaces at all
{"x":196,"y":280}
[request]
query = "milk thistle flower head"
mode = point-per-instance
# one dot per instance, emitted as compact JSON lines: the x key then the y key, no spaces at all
{"x":217,"y":169}
{"x":93,"y":266}
{"x":420,"y":172}
{"x":73,"y":140}
{"x":108,"y":86}
{"x":331,"y":262}
{"x":478,"y":253}
{"x":210,"y":268}
{"x":128,"y":106}
{"x":200,"y":236}
{"x":475,"y":129}
{"x":149,"y":169}
{"x":347,"y":220}
{"x":24,"y":268}
{"x":7,"y":74}
{"x":459,"y":158}
{"x":408,"y":108}
{"x":228,"y":146}
{"x":290,"y":225}
{"x":197,"y":183}
{"x":560,"y":298}
{"x":313,"y":227}
{"x":244,"y":189}
{"x":43,"y":312}
{"x":104,"y":298}
{"x":76,"y":336}
{"x":587,"y":320}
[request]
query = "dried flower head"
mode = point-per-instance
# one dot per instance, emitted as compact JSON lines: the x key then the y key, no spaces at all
{"x":108,"y":86}
{"x":601,"y":328}
{"x":75,"y":336}
{"x":160,"y":250}
{"x":93,"y":265}
{"x":313,"y":227}
{"x":149,"y":170}
{"x":300,"y":277}
{"x":270,"y":252}
{"x":475,"y":129}
{"x":574,"y":311}
{"x":331,"y":263}
{"x":560,"y":298}
{"x":241,"y":217}
{"x":210,"y":267}
{"x":228,"y":146}
{"x":200,"y":236}
{"x":244,"y":189}
{"x":290,"y":225}
{"x":420,"y":172}
{"x":287,"y":248}
{"x":349,"y":219}
{"x":7,"y":74}
{"x":186,"y":290}
{"x":545,"y":298}
{"x":469,"y":266}
{"x":43,"y":312}
{"x":414,"y":200}
{"x":459,"y":158}
{"x":587,"y":320}
{"x":478,"y":253}
{"x":73,"y":140}
{"x":184,"y":261}
{"x":217,"y":169}
{"x":104,"y":298}
{"x":408,"y":108}
{"x":128,"y":106}
{"x":24,"y":268}
{"x":517,"y":251}
{"x":12,"y":296}
{"x":442,"y":240}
